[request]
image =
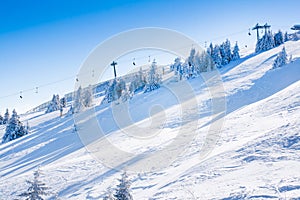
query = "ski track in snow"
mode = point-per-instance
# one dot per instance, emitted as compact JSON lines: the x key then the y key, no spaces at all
{"x":256,"y":155}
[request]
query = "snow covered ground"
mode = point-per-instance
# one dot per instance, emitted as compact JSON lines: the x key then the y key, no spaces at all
{"x":256,"y":155}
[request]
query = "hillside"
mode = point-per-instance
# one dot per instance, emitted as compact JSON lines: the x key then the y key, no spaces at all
{"x":256,"y":156}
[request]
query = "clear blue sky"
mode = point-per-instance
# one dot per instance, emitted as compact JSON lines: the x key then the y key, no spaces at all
{"x":46,"y":41}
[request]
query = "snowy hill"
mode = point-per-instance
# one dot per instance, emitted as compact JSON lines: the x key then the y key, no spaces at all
{"x":257,"y":155}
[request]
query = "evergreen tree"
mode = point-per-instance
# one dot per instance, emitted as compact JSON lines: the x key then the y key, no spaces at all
{"x":78,"y":101}
{"x":123,"y":189}
{"x":14,"y":129}
{"x":63,"y":102}
{"x":120,"y":87}
{"x":224,"y":60}
{"x":6,"y":117}
{"x":190,"y":65}
{"x":1,"y":119}
{"x":286,"y":37}
{"x":217,"y":56}
{"x":281,"y":59}
{"x":153,"y":78}
{"x":210,"y":49}
{"x":227,"y":48}
{"x":110,"y":93}
{"x":235,"y":52}
{"x":36,"y":190}
{"x":54,"y":104}
{"x":87,"y":97}
{"x":138,"y":82}
{"x":265,"y":43}
{"x":278,"y":38}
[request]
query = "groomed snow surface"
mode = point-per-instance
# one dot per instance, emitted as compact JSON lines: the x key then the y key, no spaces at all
{"x":257,"y":154}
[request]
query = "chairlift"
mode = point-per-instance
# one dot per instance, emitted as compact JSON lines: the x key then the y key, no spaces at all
{"x":149,"y":59}
{"x":133,"y":62}
{"x":21,"y":96}
{"x":36,"y":90}
{"x":249,"y":33}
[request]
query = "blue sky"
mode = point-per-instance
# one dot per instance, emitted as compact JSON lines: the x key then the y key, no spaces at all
{"x":41,"y":43}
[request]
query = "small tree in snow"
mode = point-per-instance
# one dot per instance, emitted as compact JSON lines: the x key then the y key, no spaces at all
{"x":281,"y":59}
{"x":87,"y":96}
{"x":235,"y":52}
{"x":123,"y":189}
{"x":216,"y":56}
{"x":153,"y":78}
{"x":278,"y":38}
{"x":286,"y":37}
{"x":138,"y":82}
{"x":1,"y":119}
{"x":110,"y":93}
{"x":265,"y":43}
{"x":54,"y":104}
{"x":36,"y":189}
{"x":6,"y":117}
{"x":14,"y":129}
{"x":78,"y":101}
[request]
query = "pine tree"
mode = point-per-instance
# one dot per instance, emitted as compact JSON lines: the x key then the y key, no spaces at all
{"x":190,"y":65}
{"x":227,"y":48}
{"x":235,"y":52}
{"x":278,"y":38}
{"x":123,"y":189}
{"x":6,"y":117}
{"x":138,"y":82}
{"x":265,"y":43}
{"x":54,"y":104}
{"x":63,"y":102}
{"x":14,"y":129}
{"x":1,"y":119}
{"x":110,"y":93}
{"x":281,"y":59}
{"x":120,"y":87}
{"x":210,"y":49}
{"x":153,"y":78}
{"x":36,"y":189}
{"x":217,"y":56}
{"x":78,"y":101}
{"x":87,"y":97}
{"x":286,"y":37}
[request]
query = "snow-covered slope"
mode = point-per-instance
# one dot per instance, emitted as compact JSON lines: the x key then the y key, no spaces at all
{"x":257,"y":155}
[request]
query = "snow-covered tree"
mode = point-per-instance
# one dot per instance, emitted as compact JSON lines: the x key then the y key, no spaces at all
{"x":110,"y":93}
{"x":210,"y":49}
{"x":54,"y":105}
{"x":235,"y":52}
{"x":6,"y":117}
{"x":281,"y":59}
{"x":1,"y":119}
{"x":78,"y":101}
{"x":14,"y":129}
{"x":216,"y":56}
{"x":37,"y":189}
{"x":153,"y":78}
{"x":286,"y":37}
{"x":123,"y":189}
{"x":138,"y":82}
{"x":63,"y":102}
{"x":87,"y":96}
{"x":265,"y":43}
{"x":120,"y":87}
{"x":278,"y":38}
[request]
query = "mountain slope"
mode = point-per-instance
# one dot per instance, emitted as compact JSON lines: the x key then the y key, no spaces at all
{"x":256,"y":155}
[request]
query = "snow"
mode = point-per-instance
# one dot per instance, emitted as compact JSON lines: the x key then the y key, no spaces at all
{"x":255,"y":156}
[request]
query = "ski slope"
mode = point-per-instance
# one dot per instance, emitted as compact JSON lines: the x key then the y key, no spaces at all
{"x":256,"y":155}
